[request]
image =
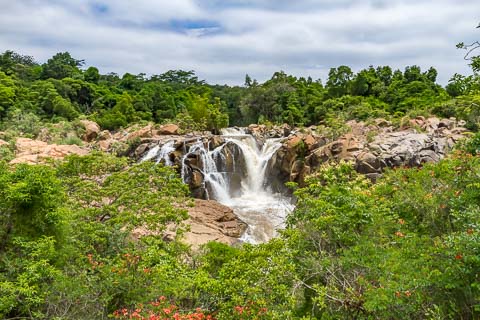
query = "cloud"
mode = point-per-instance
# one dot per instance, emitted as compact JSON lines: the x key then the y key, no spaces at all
{"x":224,"y":40}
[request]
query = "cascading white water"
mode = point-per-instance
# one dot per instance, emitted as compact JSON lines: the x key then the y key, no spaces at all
{"x":255,"y":203}
{"x":152,"y":153}
{"x":160,"y":154}
{"x":216,"y":179}
{"x":164,"y":153}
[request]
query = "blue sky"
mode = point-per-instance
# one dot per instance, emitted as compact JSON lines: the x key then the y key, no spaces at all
{"x":222,"y":40}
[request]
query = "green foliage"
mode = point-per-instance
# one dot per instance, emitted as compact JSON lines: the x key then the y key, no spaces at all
{"x":32,"y":223}
{"x":472,"y":146}
{"x":403,"y":248}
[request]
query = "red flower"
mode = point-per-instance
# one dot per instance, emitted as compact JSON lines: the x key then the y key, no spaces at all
{"x":239,"y":309}
{"x":166,"y":310}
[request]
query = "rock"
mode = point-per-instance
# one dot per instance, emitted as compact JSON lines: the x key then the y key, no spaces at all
{"x":104,"y":145}
{"x":26,"y":146}
{"x":197,"y":179}
{"x":212,"y":221}
{"x":104,"y":135}
{"x":92,"y":129}
{"x":61,"y":151}
{"x":373,"y":176}
{"x":215,"y":142}
{"x":431,"y":124}
{"x":3,"y":143}
{"x":140,"y":150}
{"x":34,"y":151}
{"x":28,"y":159}
{"x":297,"y":170}
{"x":382,"y":123}
{"x":168,"y":129}
{"x":44,"y":135}
{"x":310,"y":142}
{"x":293,"y":141}
{"x":286,"y":130}
{"x":458,"y":130}
{"x":368,"y":163}
{"x":145,"y":132}
{"x":447,"y":123}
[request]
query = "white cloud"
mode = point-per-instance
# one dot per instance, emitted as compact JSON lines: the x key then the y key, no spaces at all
{"x":223,"y":40}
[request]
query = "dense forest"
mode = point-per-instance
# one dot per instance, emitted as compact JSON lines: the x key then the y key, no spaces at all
{"x":406,"y":247}
{"x":61,"y":89}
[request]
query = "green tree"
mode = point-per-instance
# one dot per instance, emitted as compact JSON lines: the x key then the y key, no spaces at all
{"x":60,"y":66}
{"x":91,"y":75}
{"x":7,"y":93}
{"x":339,"y":81}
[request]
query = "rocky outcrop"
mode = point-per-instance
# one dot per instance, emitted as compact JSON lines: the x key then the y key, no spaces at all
{"x":212,"y":221}
{"x":35,"y":151}
{"x":372,"y":147}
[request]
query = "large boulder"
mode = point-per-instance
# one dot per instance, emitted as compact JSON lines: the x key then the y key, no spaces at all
{"x":212,"y":221}
{"x":168,"y":129}
{"x":25,"y":146}
{"x":345,"y":148}
{"x":368,"y":163}
{"x":92,"y":130}
{"x":208,"y":221}
{"x":145,"y":132}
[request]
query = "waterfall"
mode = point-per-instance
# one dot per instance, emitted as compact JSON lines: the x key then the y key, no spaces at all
{"x":242,"y":158}
{"x":164,"y":153}
{"x":160,"y":154}
{"x":257,"y":205}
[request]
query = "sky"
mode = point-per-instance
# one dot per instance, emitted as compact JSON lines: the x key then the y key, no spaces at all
{"x":222,"y":40}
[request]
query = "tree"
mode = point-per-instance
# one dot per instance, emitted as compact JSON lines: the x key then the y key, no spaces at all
{"x":91,"y":75}
{"x":179,"y":78}
{"x":7,"y":93}
{"x":24,"y":67}
{"x":338,"y":83}
{"x":60,"y":66}
{"x":248,"y":81}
